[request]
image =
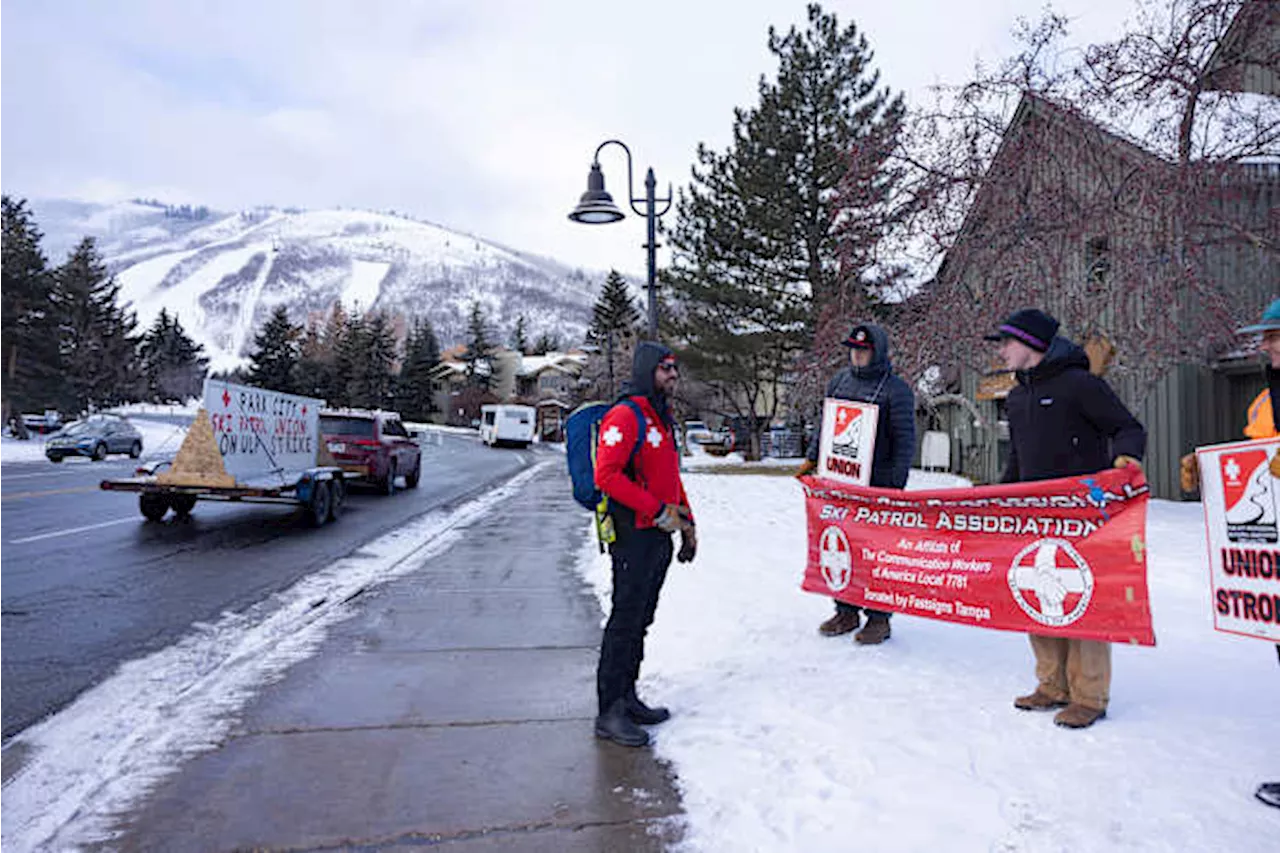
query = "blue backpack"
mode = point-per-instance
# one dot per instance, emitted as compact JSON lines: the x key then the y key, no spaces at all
{"x":581,"y":437}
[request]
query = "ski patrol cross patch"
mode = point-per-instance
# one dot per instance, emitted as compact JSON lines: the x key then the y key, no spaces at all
{"x":1051,"y":582}
{"x":655,"y":436}
{"x":612,"y":436}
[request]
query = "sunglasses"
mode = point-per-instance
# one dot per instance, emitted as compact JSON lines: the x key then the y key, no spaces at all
{"x":669,"y":365}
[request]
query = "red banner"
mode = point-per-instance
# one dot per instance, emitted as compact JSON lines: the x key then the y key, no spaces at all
{"x":1062,"y":558}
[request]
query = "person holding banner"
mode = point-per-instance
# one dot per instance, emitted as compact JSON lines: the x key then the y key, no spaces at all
{"x":1063,"y":422}
{"x":1260,"y":422}
{"x":1260,"y":417}
{"x":869,"y":378}
{"x":638,"y":468}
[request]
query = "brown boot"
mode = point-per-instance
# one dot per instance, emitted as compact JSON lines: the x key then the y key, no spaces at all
{"x":875,"y":632}
{"x":842,"y":623}
{"x":1076,"y":716}
{"x":1038,"y":701}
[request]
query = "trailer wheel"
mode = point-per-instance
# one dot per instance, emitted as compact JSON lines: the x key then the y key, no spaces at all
{"x":337,"y":497}
{"x":153,"y":507}
{"x":321,"y":503}
{"x":182,"y":505}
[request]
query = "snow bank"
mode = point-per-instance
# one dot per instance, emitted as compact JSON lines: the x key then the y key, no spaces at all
{"x":784,"y":740}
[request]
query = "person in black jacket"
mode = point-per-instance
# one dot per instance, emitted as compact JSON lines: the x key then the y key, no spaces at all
{"x":869,"y":378}
{"x":1063,"y":421}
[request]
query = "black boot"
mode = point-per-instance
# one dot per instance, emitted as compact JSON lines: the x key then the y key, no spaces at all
{"x":1269,"y":793}
{"x":642,"y":714}
{"x":614,"y":725}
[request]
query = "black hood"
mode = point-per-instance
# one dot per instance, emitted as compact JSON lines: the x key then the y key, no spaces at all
{"x":880,"y":364}
{"x":1061,"y":355}
{"x":645,"y":362}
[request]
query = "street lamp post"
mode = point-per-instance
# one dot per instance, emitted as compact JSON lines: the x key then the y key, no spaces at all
{"x":596,"y":207}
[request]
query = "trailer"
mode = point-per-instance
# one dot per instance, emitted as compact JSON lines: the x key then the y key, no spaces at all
{"x":245,"y":445}
{"x":508,"y":424}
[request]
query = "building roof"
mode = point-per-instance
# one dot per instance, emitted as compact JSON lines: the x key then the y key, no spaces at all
{"x":571,"y":363}
{"x":1248,"y":57}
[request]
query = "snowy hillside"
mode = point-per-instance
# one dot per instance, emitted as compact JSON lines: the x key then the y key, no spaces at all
{"x":223,"y":274}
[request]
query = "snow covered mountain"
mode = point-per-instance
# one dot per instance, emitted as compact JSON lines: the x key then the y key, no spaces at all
{"x":223,"y":273}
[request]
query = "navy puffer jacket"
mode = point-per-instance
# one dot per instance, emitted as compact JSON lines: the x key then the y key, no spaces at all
{"x":896,"y":425}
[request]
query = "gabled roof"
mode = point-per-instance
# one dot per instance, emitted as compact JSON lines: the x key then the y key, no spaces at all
{"x":1248,"y":57}
{"x":1064,"y":119}
{"x":569,"y":363}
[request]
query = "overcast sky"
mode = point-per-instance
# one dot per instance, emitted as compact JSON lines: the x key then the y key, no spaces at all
{"x":480,"y":115}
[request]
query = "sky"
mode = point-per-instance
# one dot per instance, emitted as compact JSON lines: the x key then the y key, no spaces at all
{"x":478,"y":115}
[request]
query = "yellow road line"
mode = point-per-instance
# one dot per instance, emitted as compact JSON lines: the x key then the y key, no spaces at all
{"x":69,"y":491}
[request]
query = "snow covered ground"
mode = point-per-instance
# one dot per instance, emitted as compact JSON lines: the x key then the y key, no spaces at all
{"x":158,"y":440}
{"x":784,"y":740}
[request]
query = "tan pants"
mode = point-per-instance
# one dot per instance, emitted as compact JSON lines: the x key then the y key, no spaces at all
{"x":1076,"y":671}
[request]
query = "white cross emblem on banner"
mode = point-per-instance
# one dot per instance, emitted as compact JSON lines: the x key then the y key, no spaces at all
{"x":612,"y":436}
{"x":655,"y":436}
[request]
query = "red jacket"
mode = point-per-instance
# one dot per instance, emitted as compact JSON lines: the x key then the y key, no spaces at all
{"x":657,"y":466}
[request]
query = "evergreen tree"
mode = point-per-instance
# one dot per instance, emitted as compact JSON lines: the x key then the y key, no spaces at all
{"x":415,"y":390}
{"x":173,"y":365}
{"x":276,"y":353}
{"x":520,"y":336}
{"x":31,"y":358}
{"x":478,"y":355}
{"x":98,"y":345}
{"x":614,"y":321}
{"x":548,"y":342}
{"x":370,"y":384}
{"x":758,"y":242}
{"x":349,"y":348}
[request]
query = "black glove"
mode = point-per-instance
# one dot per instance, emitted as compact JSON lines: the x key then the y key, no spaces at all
{"x":688,"y":545}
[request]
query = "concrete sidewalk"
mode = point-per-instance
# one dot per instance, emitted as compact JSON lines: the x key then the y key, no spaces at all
{"x":453,"y":710}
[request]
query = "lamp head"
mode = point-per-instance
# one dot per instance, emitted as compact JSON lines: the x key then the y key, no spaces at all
{"x":596,"y":206}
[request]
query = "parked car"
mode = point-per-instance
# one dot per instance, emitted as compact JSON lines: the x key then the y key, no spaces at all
{"x":696,"y":432}
{"x":372,"y":446}
{"x":50,"y":421}
{"x":95,"y":437}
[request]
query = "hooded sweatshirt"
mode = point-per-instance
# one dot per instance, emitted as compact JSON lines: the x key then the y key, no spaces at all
{"x":896,"y":424}
{"x":1064,"y":421}
{"x":655,"y":477}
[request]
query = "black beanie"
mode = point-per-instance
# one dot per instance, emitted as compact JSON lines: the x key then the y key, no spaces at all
{"x":1031,"y":326}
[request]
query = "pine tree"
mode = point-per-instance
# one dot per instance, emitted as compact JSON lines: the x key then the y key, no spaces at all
{"x":548,"y":342}
{"x":349,"y":349}
{"x":276,"y":353}
{"x":173,"y":365}
{"x":520,"y":336}
{"x":415,"y":389}
{"x":98,"y":345}
{"x":31,"y":358}
{"x":614,"y":321}
{"x":478,"y":356}
{"x":757,"y":245}
{"x":375,"y":380}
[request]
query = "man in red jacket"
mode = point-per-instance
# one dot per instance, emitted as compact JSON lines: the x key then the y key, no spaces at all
{"x":638,"y":469}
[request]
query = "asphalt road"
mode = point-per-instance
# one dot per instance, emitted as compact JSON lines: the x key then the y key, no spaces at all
{"x":87,"y":584}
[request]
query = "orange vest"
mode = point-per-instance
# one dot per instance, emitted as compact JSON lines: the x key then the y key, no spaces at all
{"x":1261,"y":420}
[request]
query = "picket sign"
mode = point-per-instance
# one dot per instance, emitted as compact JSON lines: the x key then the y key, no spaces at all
{"x":1241,"y":499}
{"x":847,"y":443}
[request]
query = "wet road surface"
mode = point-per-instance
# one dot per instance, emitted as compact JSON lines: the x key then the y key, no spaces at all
{"x":88,"y":584}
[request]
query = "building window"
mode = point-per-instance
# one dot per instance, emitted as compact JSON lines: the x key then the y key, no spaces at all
{"x":1097,"y":262}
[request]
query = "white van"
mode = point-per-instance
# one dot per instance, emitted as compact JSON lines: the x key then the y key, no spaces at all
{"x":508,"y":424}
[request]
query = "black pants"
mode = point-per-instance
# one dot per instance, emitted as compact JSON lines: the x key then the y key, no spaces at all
{"x":846,"y":607}
{"x":640,"y":561}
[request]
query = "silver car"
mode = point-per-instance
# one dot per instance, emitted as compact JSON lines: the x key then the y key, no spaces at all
{"x":95,"y":437}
